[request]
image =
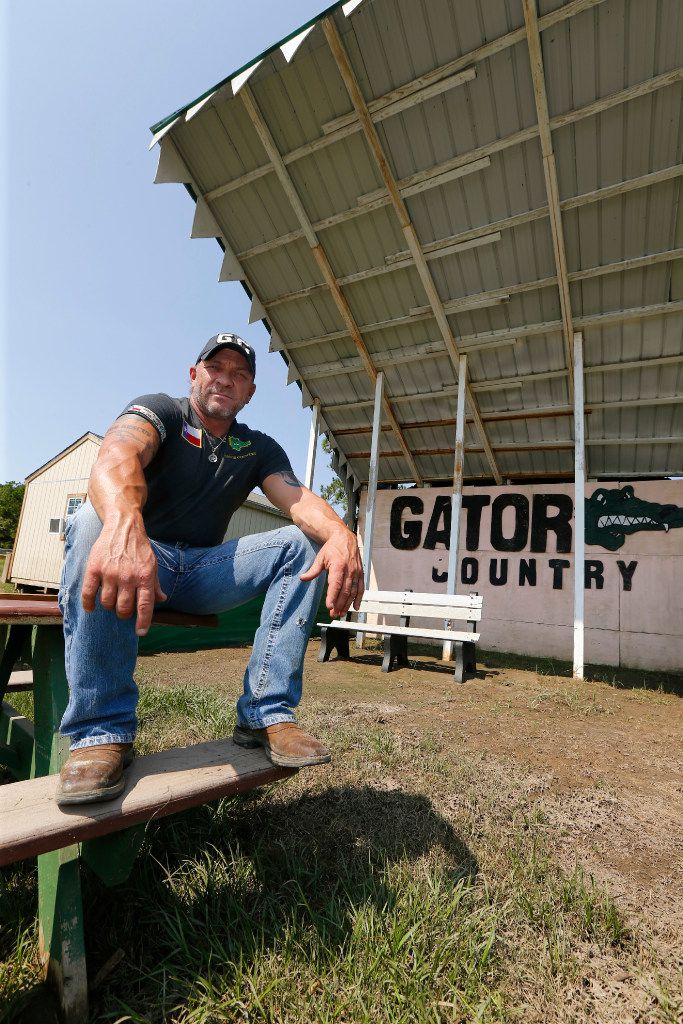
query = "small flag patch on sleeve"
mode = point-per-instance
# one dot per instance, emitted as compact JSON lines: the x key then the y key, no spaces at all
{"x":192,"y":435}
{"x":151,"y":417}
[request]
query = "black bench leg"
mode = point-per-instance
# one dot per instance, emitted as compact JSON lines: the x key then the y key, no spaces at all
{"x":403,"y":650}
{"x":465,"y":660}
{"x":333,"y":639}
{"x":459,"y":664}
{"x":395,"y":652}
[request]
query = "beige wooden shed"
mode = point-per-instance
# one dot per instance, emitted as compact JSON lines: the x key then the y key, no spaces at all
{"x":53,"y":491}
{"x":58,"y":488}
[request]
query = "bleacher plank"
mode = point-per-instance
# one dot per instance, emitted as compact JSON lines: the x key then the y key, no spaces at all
{"x":20,"y":680}
{"x":157,"y":785}
{"x":43,"y":610}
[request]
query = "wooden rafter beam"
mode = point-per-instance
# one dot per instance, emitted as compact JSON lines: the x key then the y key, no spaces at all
{"x":550,"y":175}
{"x":509,"y":335}
{"x":407,"y":227}
{"x":534,"y":446}
{"x":320,"y":256}
{"x":552,"y":412}
{"x":539,"y":446}
{"x":531,"y":414}
{"x":446,"y":480}
{"x":391,"y":265}
{"x":497,"y":295}
{"x":503,"y":383}
{"x":436,"y":349}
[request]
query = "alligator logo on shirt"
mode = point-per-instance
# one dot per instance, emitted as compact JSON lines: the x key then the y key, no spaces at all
{"x":236,"y":444}
{"x":610,"y":515}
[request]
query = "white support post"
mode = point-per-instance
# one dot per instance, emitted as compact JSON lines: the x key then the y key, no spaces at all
{"x":579,"y":508}
{"x":372,"y":489}
{"x":312,"y":444}
{"x":456,"y":501}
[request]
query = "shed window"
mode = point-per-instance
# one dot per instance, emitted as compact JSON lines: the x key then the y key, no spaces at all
{"x":55,"y":526}
{"x":73,"y":504}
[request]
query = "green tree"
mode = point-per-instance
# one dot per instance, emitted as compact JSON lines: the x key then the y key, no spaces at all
{"x":11,"y":494}
{"x":334,"y":492}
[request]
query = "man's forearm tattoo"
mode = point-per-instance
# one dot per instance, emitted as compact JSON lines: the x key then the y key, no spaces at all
{"x":289,"y":478}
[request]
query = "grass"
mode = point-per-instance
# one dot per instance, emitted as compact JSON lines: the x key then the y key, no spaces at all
{"x":5,"y":588}
{"x":576,"y":701}
{"x":404,"y":886}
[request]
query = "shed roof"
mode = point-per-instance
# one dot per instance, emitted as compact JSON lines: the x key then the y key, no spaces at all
{"x":88,"y":436}
{"x":260,"y":502}
{"x":422,"y":179}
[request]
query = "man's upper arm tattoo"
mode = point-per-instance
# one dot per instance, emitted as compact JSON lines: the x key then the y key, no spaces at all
{"x":289,"y":478}
{"x":131,"y":431}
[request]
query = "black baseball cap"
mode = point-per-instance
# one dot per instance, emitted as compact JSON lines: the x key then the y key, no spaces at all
{"x":232,"y":341}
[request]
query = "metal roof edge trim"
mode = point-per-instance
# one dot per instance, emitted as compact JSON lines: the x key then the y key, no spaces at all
{"x":245,"y":67}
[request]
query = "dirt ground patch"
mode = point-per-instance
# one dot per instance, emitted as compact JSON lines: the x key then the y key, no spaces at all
{"x":602,"y":762}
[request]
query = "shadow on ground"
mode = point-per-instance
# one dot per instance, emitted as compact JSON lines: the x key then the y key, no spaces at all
{"x":262,"y":874}
{"x":620,"y":678}
{"x":493,"y":663}
{"x":420,"y":660}
{"x":229,"y":882}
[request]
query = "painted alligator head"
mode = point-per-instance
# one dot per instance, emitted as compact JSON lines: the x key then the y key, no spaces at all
{"x":610,"y":515}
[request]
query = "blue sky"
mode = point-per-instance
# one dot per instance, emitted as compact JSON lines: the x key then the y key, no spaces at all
{"x":105,"y":296}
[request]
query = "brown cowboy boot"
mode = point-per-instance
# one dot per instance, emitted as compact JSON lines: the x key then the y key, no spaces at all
{"x":285,"y":744}
{"x":94,"y":773}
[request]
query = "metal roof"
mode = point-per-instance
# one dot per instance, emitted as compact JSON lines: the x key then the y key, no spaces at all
{"x":420,"y":179}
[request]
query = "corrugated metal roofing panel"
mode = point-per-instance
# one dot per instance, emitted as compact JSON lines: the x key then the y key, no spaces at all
{"x":500,"y":297}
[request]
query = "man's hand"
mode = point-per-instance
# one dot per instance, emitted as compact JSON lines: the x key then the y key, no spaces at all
{"x":339,"y":554}
{"x":341,"y":558}
{"x":121,"y":561}
{"x":123,"y":567}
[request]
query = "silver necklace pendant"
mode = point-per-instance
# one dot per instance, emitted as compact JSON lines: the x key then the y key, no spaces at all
{"x":213,"y":457}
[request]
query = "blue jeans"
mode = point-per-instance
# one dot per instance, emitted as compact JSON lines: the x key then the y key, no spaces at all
{"x":101,"y":649}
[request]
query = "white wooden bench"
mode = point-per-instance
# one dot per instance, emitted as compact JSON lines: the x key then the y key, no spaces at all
{"x":408,"y":605}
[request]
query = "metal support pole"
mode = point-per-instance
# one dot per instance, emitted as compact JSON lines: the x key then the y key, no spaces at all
{"x":312,"y":444}
{"x":372,"y":489}
{"x":456,"y":501}
{"x":579,"y":508}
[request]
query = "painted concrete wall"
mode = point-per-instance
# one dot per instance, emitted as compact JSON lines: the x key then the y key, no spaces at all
{"x":516,"y":549}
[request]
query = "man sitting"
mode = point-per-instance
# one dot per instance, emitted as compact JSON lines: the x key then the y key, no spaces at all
{"x":169,"y":475}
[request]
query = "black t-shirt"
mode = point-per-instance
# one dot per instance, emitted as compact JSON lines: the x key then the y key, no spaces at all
{"x":191,"y":499}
